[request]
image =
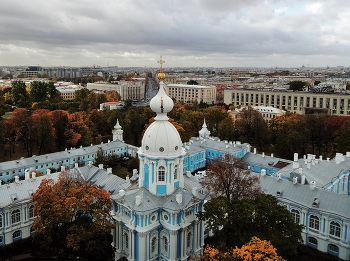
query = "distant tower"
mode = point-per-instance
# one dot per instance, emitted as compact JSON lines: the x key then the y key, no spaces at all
{"x":117,"y":132}
{"x":204,"y":132}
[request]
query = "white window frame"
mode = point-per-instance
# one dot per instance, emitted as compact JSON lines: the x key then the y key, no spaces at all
{"x":31,"y":211}
{"x":334,"y":229}
{"x":15,"y":216}
{"x":296,"y":215}
{"x":161,"y":174}
{"x":314,"y":222}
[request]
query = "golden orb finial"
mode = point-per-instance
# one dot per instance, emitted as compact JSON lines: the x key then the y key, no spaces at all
{"x":161,"y":74}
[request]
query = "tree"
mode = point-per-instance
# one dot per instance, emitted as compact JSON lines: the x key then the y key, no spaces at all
{"x":257,"y":250}
{"x":44,"y":131}
{"x":20,"y":96}
{"x":53,"y":95}
{"x":82,"y":97}
{"x":38,"y":91}
{"x":23,"y":124}
{"x":229,"y":177}
{"x":296,"y":85}
{"x":72,"y":218}
{"x":237,"y":220}
{"x":192,"y":82}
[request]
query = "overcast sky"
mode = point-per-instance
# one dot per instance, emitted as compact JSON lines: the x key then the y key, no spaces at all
{"x":187,"y":33}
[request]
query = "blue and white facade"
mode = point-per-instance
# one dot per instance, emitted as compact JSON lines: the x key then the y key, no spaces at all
{"x":156,"y":216}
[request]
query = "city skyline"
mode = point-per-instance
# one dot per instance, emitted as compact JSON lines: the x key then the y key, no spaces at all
{"x":205,"y":33}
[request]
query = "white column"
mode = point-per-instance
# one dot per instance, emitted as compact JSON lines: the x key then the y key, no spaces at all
{"x":142,"y":246}
{"x":173,"y":244}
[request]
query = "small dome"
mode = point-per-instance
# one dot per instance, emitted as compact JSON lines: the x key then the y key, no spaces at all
{"x":161,"y":76}
{"x":161,"y":103}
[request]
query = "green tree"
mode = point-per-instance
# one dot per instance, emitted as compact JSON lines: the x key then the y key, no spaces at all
{"x":38,"y":91}
{"x":296,"y":85}
{"x":262,"y":216}
{"x":72,"y":218}
{"x":82,"y":97}
{"x":53,"y":95}
{"x":192,"y":82}
{"x":20,"y":96}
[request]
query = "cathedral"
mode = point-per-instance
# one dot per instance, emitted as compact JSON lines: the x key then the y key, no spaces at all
{"x":155,"y":215}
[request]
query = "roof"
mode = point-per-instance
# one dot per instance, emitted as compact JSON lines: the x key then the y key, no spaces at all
{"x":302,"y":195}
{"x":225,"y":147}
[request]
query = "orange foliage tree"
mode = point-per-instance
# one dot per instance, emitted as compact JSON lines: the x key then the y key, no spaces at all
{"x":72,"y":219}
{"x":255,"y":250}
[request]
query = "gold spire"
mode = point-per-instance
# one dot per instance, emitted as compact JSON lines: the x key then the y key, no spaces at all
{"x":161,"y":74}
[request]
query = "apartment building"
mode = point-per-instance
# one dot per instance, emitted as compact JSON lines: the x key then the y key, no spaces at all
{"x":191,"y":93}
{"x":133,"y":90}
{"x":298,"y":102}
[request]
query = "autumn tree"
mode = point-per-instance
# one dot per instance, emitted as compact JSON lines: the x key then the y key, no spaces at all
{"x":72,"y":219}
{"x":252,"y":127}
{"x":23,"y":125}
{"x":229,"y":177}
{"x":257,"y":250}
{"x":44,"y":132}
{"x":227,"y":181}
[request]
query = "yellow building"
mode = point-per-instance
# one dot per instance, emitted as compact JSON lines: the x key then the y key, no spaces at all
{"x":191,"y":93}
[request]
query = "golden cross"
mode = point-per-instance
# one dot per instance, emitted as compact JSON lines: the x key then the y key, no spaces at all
{"x":161,"y":61}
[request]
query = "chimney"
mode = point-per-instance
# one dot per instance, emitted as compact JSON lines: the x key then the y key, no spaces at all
{"x":179,"y":198}
{"x":17,"y":179}
{"x":121,"y":192}
{"x":263,"y":154}
{"x":254,"y":150}
{"x":127,"y":178}
{"x":263,"y":172}
{"x":26,"y":174}
{"x":312,"y":185}
{"x":300,"y":170}
{"x":33,"y":175}
{"x":134,"y":172}
{"x":109,"y":170}
{"x":308,"y":165}
{"x":63,"y":168}
{"x":48,"y":172}
{"x":320,"y":157}
{"x":100,"y":166}
{"x":295,"y":156}
{"x":76,"y":165}
{"x":271,"y":155}
{"x":138,"y":200}
{"x":279,"y":175}
{"x":302,"y":179}
{"x":327,"y":159}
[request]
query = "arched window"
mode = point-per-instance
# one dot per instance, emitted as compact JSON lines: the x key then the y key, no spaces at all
{"x":334,"y":229}
{"x":31,"y":211}
{"x":161,"y":173}
{"x":16,"y":235}
{"x":188,"y":243}
{"x":175,"y":172}
{"x":313,"y":241}
{"x":314,"y":222}
{"x":153,"y":244}
{"x":296,"y":215}
{"x":333,"y":249}
{"x":0,"y":220}
{"x":165,"y":242}
{"x":16,"y":216}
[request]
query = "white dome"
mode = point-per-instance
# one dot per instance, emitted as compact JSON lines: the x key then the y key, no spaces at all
{"x":161,"y":139}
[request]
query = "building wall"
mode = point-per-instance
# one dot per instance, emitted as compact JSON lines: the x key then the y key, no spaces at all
{"x":336,"y":104}
{"x":191,"y":93}
{"x":133,"y":90}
